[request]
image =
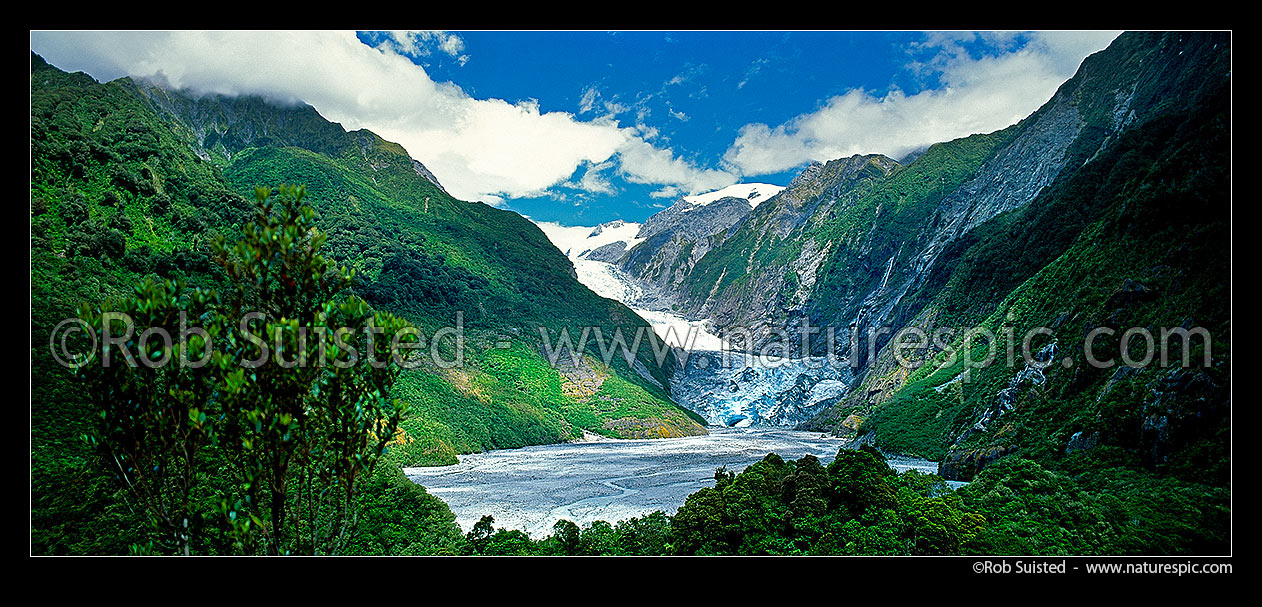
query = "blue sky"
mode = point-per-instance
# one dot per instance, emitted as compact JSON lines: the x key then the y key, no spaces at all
{"x":585,"y":127}
{"x":696,"y":88}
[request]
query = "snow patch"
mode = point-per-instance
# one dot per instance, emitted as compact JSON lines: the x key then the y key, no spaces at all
{"x":576,"y":240}
{"x":755,"y":193}
{"x":606,"y":280}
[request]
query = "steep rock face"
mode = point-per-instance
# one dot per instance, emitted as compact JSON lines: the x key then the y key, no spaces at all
{"x":753,"y":277}
{"x":1012,"y":177}
{"x":694,"y":222}
{"x":674,"y":240}
{"x":867,"y":242}
{"x":1113,"y":90}
{"x":883,"y":235}
{"x":1097,"y":247}
{"x":608,"y":253}
{"x":1031,"y":156}
{"x":1118,"y":89}
{"x":424,"y":172}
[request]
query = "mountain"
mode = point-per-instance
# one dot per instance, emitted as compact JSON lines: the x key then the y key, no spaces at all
{"x":758,"y":275}
{"x":217,"y":127}
{"x":674,"y":239}
{"x":1132,"y":232}
{"x":726,"y":391}
{"x":1100,"y":225}
{"x":653,"y":257}
{"x":1110,"y":204}
{"x":599,"y":242}
{"x":130,"y":180}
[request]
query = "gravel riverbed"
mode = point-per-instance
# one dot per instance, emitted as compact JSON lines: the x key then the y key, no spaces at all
{"x":605,"y":479}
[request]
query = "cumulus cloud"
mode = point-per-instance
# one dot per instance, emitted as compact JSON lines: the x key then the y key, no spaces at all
{"x":643,"y":163}
{"x":418,"y":43}
{"x":493,"y":150}
{"x":480,"y":149}
{"x":594,"y":180}
{"x":669,"y":191}
{"x":978,"y":95}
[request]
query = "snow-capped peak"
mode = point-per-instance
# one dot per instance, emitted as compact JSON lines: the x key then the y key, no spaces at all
{"x":576,"y":240}
{"x":753,"y":192}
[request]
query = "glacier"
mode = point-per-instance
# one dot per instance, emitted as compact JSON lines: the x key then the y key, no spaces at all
{"x":726,"y":388}
{"x":739,"y":390}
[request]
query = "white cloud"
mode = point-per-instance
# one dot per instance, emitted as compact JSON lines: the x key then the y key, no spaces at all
{"x":978,"y":96}
{"x":669,"y":191}
{"x":418,"y":43}
{"x":594,"y":180}
{"x":613,"y":108}
{"x":480,"y":149}
{"x":643,"y":163}
{"x":452,"y":45}
{"x":588,"y":101}
{"x":493,"y":150}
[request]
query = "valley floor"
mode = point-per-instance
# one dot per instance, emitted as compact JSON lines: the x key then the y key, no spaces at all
{"x":611,"y":480}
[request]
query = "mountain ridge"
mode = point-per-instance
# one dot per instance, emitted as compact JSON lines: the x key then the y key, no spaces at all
{"x":120,"y":192}
{"x":962,"y":230}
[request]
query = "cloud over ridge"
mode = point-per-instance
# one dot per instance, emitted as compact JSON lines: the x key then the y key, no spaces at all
{"x":978,"y":95}
{"x":480,"y":149}
{"x":493,"y":150}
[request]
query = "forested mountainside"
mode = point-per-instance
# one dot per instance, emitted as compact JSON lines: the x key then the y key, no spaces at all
{"x":863,"y":242}
{"x":1133,"y":232}
{"x":1109,"y":206}
{"x":132,"y":181}
{"x":1107,"y":209}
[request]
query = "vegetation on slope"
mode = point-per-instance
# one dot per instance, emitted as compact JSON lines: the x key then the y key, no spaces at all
{"x":120,"y":194}
{"x":1082,"y":461}
{"x":1133,"y":238}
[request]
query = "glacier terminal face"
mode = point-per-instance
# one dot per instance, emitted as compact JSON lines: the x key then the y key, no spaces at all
{"x":739,"y":390}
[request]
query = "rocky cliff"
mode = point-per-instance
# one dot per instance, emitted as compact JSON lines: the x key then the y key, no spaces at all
{"x":1007,"y":230}
{"x":1068,"y":225}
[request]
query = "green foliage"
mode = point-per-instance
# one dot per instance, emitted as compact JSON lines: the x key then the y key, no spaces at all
{"x":855,"y":505}
{"x":1032,"y":510}
{"x":297,"y":433}
{"x":1148,"y":214}
{"x":858,"y":505}
{"x":649,"y":535}
{"x":398,"y":517}
{"x":130,"y":184}
{"x":123,"y":190}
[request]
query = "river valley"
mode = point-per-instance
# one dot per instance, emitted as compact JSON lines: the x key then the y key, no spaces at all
{"x":612,"y":480}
